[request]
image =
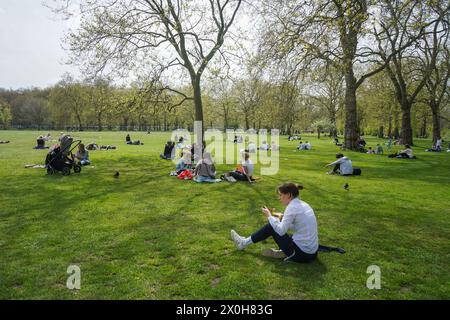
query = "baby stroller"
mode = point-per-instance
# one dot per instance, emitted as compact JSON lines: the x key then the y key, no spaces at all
{"x":58,"y":158}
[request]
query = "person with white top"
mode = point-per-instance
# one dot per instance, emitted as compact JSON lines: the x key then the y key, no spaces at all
{"x":439,"y":143}
{"x":264,"y":146}
{"x":342,"y":165}
{"x":303,"y":245}
{"x":252,"y":147}
{"x":407,"y":153}
{"x":247,"y":170}
{"x":274,"y":146}
{"x":307,"y":145}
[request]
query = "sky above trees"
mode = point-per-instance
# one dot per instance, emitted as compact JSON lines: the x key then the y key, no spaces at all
{"x":30,"y":45}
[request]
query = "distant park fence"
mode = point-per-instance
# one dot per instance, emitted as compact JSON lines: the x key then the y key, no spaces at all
{"x":137,"y":128}
{"x":69,"y":128}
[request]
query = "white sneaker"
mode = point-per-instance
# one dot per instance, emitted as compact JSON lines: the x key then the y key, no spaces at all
{"x":238,"y":240}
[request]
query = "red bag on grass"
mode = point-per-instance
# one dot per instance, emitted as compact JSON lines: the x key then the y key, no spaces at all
{"x":185,"y":175}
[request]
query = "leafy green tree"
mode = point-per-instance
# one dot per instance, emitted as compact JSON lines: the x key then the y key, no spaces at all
{"x":5,"y":114}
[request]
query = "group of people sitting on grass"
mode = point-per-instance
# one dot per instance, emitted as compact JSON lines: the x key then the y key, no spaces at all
{"x":205,"y":170}
{"x":292,"y":138}
{"x":304,"y":146}
{"x":378,"y":150}
{"x":437,"y":147}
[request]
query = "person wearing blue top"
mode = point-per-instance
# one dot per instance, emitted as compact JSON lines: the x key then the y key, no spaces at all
{"x":185,"y":163}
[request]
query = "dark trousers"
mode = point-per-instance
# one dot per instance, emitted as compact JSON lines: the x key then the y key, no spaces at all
{"x":284,"y":242}
{"x":337,"y":168}
{"x":239,"y":176}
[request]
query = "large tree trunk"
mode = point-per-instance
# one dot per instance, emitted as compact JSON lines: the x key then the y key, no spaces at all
{"x":80,"y":125}
{"x":406,"y":135}
{"x":225,"y":119}
{"x":99,"y":122}
{"x":423,"y":130}
{"x":389,"y":133}
{"x":436,"y":122}
{"x":198,"y":125}
{"x":381,"y":132}
{"x":351,"y":117}
{"x":198,"y":100}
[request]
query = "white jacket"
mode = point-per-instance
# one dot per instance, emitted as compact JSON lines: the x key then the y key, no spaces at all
{"x":346,"y":165}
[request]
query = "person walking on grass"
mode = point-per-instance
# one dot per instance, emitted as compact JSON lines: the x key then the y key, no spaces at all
{"x":303,"y":245}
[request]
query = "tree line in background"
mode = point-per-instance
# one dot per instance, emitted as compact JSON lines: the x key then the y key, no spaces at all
{"x":250,"y":103}
{"x":348,"y":67}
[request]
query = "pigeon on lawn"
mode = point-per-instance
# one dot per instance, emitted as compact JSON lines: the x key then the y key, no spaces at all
{"x":116,"y":175}
{"x":346,"y":186}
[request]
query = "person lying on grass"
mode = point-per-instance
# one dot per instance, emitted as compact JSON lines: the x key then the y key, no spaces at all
{"x":1,"y":141}
{"x":94,"y":146}
{"x":342,"y":165}
{"x":205,"y":171}
{"x":303,"y":245}
{"x":434,"y":148}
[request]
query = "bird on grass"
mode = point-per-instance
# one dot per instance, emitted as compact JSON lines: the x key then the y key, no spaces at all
{"x":116,"y":175}
{"x":346,"y":186}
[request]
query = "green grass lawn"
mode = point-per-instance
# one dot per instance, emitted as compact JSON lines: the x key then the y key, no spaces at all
{"x":148,"y":235}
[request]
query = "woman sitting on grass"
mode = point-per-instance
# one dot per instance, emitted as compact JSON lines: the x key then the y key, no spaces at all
{"x":303,"y":245}
{"x":404,"y":154}
{"x":167,"y":153}
{"x":185,"y":163}
{"x":82,"y":155}
{"x":205,"y":171}
{"x":247,"y":170}
{"x":40,"y":141}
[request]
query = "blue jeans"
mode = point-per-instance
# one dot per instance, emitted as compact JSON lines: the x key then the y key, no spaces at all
{"x":204,"y":179}
{"x":284,"y":242}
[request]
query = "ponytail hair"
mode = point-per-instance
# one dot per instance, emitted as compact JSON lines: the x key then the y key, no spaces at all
{"x":290,"y":188}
